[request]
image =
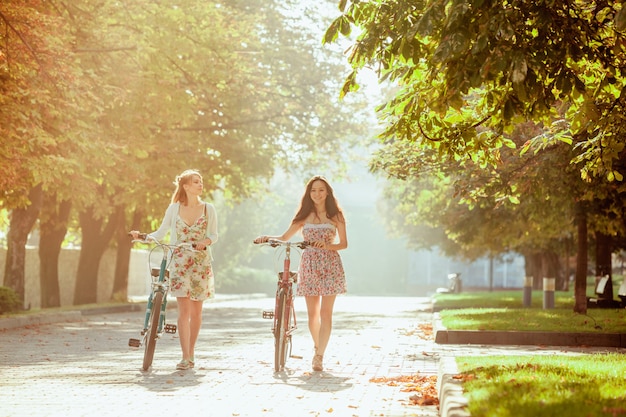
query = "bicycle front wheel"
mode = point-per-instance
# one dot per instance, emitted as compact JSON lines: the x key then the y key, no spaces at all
{"x":153,"y":326}
{"x":282,"y":315}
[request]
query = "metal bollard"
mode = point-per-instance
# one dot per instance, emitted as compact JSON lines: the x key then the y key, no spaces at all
{"x":548,"y":292}
{"x":528,"y":291}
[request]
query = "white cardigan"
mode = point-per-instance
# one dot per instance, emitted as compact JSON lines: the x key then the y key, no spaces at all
{"x":169,"y":225}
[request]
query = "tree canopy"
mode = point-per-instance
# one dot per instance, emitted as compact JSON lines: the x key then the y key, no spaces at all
{"x":467,"y":77}
{"x":104,"y":103}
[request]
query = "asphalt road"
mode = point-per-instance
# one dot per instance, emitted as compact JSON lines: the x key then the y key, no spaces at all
{"x":86,"y":368}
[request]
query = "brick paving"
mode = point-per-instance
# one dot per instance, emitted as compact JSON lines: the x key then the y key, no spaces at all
{"x":85,"y":367}
{"x":81,"y":365}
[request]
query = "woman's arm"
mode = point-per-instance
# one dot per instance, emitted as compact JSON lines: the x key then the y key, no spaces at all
{"x":343,"y":237}
{"x":211,"y":230}
{"x":293,"y":229}
{"x":165,"y":226}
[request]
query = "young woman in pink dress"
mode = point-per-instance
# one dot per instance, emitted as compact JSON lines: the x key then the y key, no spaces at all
{"x":321,"y":274}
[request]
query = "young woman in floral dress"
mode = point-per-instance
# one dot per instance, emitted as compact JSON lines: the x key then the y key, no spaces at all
{"x":321,"y":275}
{"x":189,"y":219}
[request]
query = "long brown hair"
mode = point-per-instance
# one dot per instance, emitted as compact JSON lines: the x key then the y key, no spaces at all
{"x":307,"y":206}
{"x":180,"y":196}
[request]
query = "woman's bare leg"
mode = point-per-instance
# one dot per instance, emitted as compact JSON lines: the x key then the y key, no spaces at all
{"x":320,"y":312}
{"x":195,"y":323}
{"x":184,"y":311}
{"x":326,"y":323}
{"x":313,"y":305}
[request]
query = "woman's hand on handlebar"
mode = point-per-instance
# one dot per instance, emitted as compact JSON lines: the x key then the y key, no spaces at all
{"x":202,"y":244}
{"x":137,"y":235}
{"x":320,"y":244}
{"x":261,"y":239}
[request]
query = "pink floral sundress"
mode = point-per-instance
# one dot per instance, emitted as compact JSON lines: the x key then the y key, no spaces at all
{"x":321,"y":271}
{"x":191,"y":271}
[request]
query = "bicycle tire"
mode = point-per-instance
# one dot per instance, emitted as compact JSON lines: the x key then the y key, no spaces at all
{"x":153,"y":326}
{"x":280,"y":333}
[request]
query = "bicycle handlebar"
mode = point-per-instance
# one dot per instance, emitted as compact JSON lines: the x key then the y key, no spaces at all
{"x":145,"y":238}
{"x":275,"y":243}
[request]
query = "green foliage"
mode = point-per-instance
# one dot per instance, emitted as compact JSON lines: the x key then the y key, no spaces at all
{"x":511,"y":103}
{"x":244,"y":280}
{"x":104,"y":103}
{"x":9,"y":301}
{"x":144,"y":90}
{"x":461,"y":66}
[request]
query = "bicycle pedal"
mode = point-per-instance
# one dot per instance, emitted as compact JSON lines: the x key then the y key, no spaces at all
{"x":170,"y":328}
{"x":295,"y":356}
{"x":134,"y":342}
{"x":267,"y":314}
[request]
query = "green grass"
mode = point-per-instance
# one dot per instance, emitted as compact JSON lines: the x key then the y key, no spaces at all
{"x":503,"y":310}
{"x":557,"y":320}
{"x":500,"y":299}
{"x":545,"y":386}
{"x":540,"y":385}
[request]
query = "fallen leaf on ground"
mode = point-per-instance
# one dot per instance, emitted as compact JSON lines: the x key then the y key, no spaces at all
{"x":427,"y":330}
{"x":423,"y":400}
{"x":425,"y":387}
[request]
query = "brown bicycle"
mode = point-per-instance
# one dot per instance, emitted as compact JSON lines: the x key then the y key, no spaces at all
{"x":284,"y":314}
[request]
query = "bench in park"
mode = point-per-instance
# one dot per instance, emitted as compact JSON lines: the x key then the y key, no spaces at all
{"x":604,"y":294}
{"x":454,"y":284}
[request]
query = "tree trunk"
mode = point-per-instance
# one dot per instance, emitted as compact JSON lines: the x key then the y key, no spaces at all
{"x":537,"y":267}
{"x":566,"y":262}
{"x":95,"y":239}
{"x":122,"y":260}
{"x":604,"y":264}
{"x":53,"y":226}
{"x":580,"y":280}
{"x":551,"y":267}
{"x":22,"y":221}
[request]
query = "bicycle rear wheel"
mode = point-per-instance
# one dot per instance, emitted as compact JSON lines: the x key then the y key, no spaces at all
{"x":282,"y":315}
{"x":153,"y":326}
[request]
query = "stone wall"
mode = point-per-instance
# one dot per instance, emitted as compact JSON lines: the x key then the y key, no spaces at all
{"x":68,"y":265}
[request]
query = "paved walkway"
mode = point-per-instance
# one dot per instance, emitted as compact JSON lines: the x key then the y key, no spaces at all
{"x":84,"y":367}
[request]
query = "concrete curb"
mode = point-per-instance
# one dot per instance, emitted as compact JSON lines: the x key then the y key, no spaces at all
{"x":37,"y":319}
{"x":452,"y":402}
{"x":488,"y":337}
{"x":485,"y":337}
{"x":139,"y":304}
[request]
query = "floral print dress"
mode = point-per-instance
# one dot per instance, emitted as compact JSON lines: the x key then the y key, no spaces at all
{"x":191,"y":271}
{"x":321,"y":271}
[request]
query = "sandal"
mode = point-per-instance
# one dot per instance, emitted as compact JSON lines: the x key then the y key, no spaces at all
{"x":192,"y":362}
{"x":317,"y":363}
{"x":183,"y":365}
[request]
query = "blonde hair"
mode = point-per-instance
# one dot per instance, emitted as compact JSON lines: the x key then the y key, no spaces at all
{"x":180,"y":196}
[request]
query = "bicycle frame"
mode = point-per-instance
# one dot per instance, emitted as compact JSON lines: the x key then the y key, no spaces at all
{"x":159,"y":286}
{"x":284,"y":313}
{"x":286,"y":285}
{"x":154,"y":322}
